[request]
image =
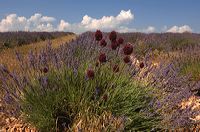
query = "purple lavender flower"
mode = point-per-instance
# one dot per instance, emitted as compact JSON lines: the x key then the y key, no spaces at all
{"x":8,"y":98}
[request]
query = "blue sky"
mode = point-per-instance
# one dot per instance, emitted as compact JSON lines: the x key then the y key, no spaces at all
{"x":157,"y":15}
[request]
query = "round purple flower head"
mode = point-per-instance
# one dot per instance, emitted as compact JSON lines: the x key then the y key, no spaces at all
{"x":141,"y":65}
{"x":90,"y":73}
{"x":103,"y":43}
{"x":113,"y":36}
{"x":45,"y":70}
{"x":102,"y":58}
{"x":128,"y":49}
{"x":98,"y":35}
{"x":120,"y":41}
{"x":114,"y":45}
{"x":126,"y":59}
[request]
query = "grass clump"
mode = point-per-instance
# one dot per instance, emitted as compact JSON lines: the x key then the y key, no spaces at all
{"x":68,"y":93}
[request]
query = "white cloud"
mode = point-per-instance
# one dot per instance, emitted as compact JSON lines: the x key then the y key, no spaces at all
{"x":11,"y":22}
{"x":149,"y":29}
{"x":123,"y":29}
{"x":38,"y":22}
{"x":181,"y":29}
{"x":63,"y":25}
{"x":107,"y":22}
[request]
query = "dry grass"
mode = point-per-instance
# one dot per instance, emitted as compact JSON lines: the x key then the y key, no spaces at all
{"x":104,"y":122}
{"x":193,"y":103}
{"x":8,"y":57}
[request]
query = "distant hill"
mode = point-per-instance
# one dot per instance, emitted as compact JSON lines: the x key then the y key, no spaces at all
{"x":12,"y":39}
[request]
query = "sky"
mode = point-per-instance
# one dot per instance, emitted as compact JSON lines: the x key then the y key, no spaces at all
{"x":89,"y":15}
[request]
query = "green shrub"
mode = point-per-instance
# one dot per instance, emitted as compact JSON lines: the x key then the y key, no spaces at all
{"x":67,"y":93}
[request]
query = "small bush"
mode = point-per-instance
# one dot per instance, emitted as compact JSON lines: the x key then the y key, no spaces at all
{"x":62,"y":95}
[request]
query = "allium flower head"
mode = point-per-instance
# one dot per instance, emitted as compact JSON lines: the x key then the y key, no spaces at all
{"x":90,"y":73}
{"x":126,"y":59}
{"x":115,"y":68}
{"x":103,"y":43}
{"x":128,"y":49}
{"x":120,"y":41}
{"x":141,"y":65}
{"x":98,"y":35}
{"x":113,"y":36}
{"x":105,"y":97}
{"x":45,"y":69}
{"x":114,"y":45}
{"x":102,"y":58}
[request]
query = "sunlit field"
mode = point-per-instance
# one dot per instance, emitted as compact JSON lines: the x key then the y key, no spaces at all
{"x":90,"y":83}
{"x":8,"y":56}
{"x":100,"y":66}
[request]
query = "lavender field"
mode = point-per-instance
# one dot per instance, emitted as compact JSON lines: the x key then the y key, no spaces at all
{"x":99,"y":66}
{"x":105,"y":82}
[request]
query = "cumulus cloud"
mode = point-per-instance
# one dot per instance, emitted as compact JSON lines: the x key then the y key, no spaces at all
{"x":63,"y":25}
{"x":124,"y":29}
{"x":38,"y":22}
{"x":105,"y":23}
{"x":149,"y":29}
{"x":181,"y":29}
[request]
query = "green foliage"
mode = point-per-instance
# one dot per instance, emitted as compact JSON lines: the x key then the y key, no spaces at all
{"x":181,"y":43}
{"x":191,"y":68}
{"x":70,"y":92}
